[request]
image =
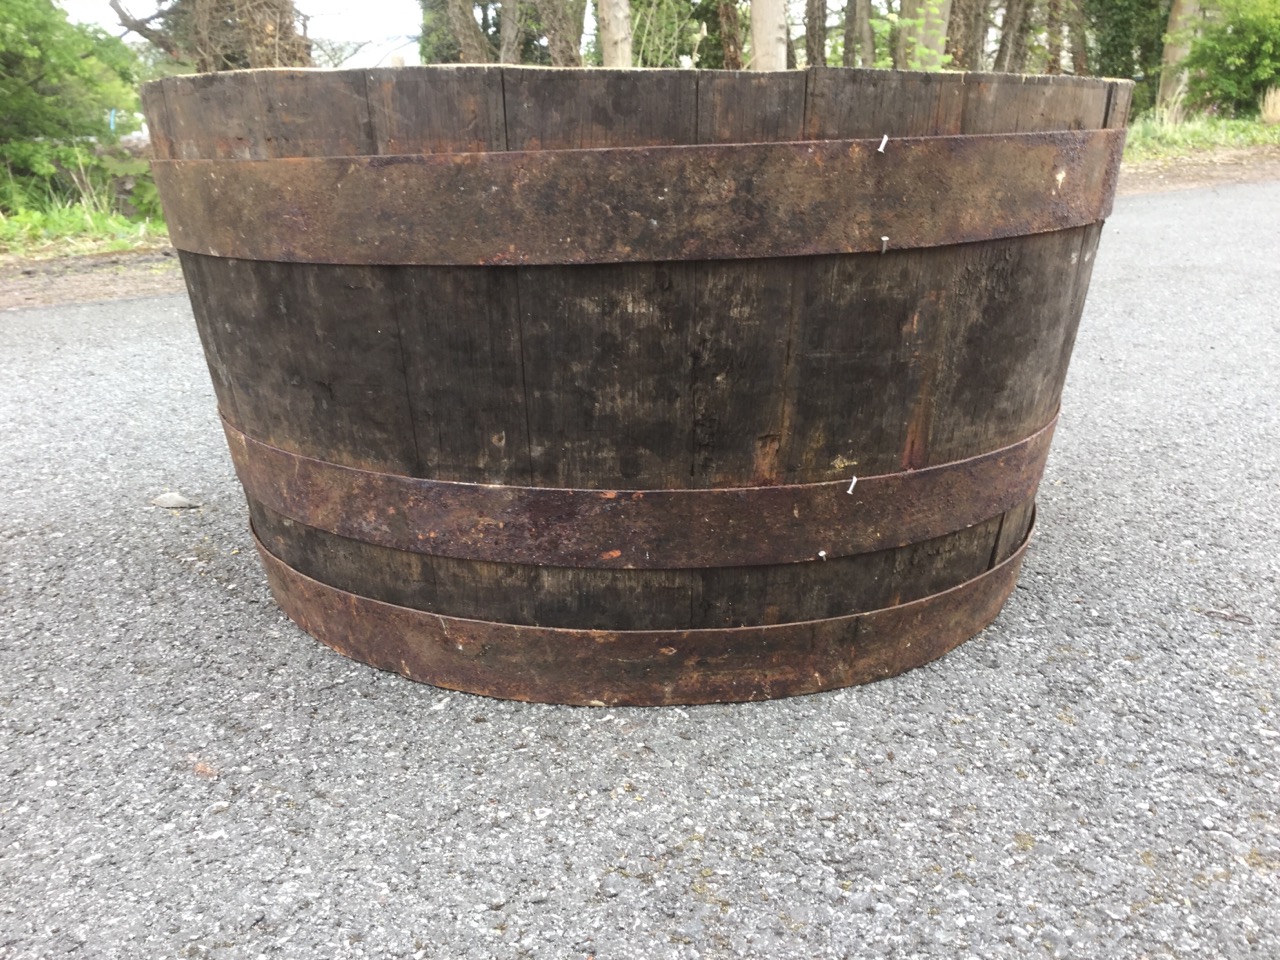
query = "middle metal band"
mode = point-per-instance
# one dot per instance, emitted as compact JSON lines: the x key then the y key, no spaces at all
{"x":640,"y":529}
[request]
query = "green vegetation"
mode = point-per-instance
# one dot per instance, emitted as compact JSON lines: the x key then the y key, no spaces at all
{"x":1236,"y":57}
{"x":66,"y":186}
{"x":1152,"y":138}
{"x":1128,"y":39}
{"x":61,"y":226}
{"x":61,"y":86}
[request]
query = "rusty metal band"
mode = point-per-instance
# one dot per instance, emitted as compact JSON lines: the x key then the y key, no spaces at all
{"x":641,"y":203}
{"x":641,"y":667}
{"x":640,"y":529}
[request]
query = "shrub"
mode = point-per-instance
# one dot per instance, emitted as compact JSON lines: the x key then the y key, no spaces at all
{"x":1236,"y":57}
{"x":58,"y":85}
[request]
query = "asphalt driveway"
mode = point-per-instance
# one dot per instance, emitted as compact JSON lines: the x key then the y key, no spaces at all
{"x":185,"y":774}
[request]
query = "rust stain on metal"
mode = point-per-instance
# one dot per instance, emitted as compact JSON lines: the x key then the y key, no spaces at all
{"x":587,"y":206}
{"x":642,"y":667}
{"x":651,"y":529}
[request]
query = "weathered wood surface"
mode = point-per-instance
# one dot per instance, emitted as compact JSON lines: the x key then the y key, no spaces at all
{"x":636,"y":375}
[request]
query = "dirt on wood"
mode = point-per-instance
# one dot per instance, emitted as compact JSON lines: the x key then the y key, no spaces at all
{"x":38,"y":282}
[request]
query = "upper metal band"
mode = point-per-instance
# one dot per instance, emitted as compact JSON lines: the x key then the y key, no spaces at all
{"x":724,"y":201}
{"x":640,"y":529}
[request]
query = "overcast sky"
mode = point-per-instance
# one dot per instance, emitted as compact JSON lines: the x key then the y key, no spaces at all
{"x":390,"y":26}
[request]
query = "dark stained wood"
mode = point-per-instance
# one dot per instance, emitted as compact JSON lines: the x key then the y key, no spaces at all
{"x":460,"y":336}
{"x":205,"y":117}
{"x":862,"y":362}
{"x":1010,"y":311}
{"x":512,"y":593}
{"x":312,"y":355}
{"x":852,"y":104}
{"x":738,"y":349}
{"x":606,"y":374}
{"x":631,"y":599}
{"x":1013,"y":529}
{"x":1121,"y":99}
{"x":748,"y":106}
{"x":605,"y":369}
{"x":220,"y":332}
{"x":315,"y":114}
{"x":743,"y":313}
{"x":911,"y":359}
{"x":437,"y":109}
{"x":152,"y":96}
{"x":847,"y":103}
{"x":636,"y":375}
{"x":1033,"y":104}
{"x":549,"y":109}
{"x":267,"y":113}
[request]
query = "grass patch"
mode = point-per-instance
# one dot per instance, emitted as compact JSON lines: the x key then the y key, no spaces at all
{"x":63,"y":227}
{"x":1152,"y":137}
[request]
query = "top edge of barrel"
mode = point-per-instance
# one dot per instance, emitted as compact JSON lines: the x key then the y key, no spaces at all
{"x":923,"y":77}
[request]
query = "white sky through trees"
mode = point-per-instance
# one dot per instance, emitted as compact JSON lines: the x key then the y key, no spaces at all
{"x":391,"y":27}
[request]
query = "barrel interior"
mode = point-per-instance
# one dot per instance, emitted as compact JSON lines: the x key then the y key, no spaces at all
{"x":710,"y":374}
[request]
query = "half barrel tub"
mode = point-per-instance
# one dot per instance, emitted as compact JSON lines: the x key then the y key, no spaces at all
{"x":638,"y":387}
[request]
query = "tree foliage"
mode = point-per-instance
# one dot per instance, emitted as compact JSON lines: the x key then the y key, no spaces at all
{"x":1128,"y":42}
{"x":58,"y":85}
{"x":1236,"y":58}
{"x":224,"y":34}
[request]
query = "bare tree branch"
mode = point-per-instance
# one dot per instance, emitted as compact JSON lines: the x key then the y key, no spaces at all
{"x":156,"y":38}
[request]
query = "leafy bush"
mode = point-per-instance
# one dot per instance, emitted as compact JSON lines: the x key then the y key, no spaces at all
{"x":1236,"y":57}
{"x":58,"y":85}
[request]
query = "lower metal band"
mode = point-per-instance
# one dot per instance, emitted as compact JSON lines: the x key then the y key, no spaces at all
{"x":641,"y":667}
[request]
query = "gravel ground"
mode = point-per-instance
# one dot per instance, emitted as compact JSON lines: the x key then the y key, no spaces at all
{"x":184,"y":774}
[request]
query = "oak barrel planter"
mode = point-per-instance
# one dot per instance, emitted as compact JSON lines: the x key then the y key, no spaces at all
{"x":638,"y":387}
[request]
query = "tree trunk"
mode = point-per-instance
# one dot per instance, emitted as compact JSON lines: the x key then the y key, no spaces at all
{"x":815,"y":33}
{"x":967,"y":34}
{"x":1022,"y":40}
{"x":866,"y":36}
{"x":562,"y":23}
{"x":1079,"y":38}
{"x":1016,"y":15}
{"x":730,"y":34}
{"x":473,"y":45}
{"x":922,"y":35}
{"x":768,"y":35}
{"x":849,"y":49}
{"x":509,"y":29}
{"x":1177,"y":43}
{"x":859,"y":40}
{"x":1053,"y":36}
{"x":615,"y":32}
